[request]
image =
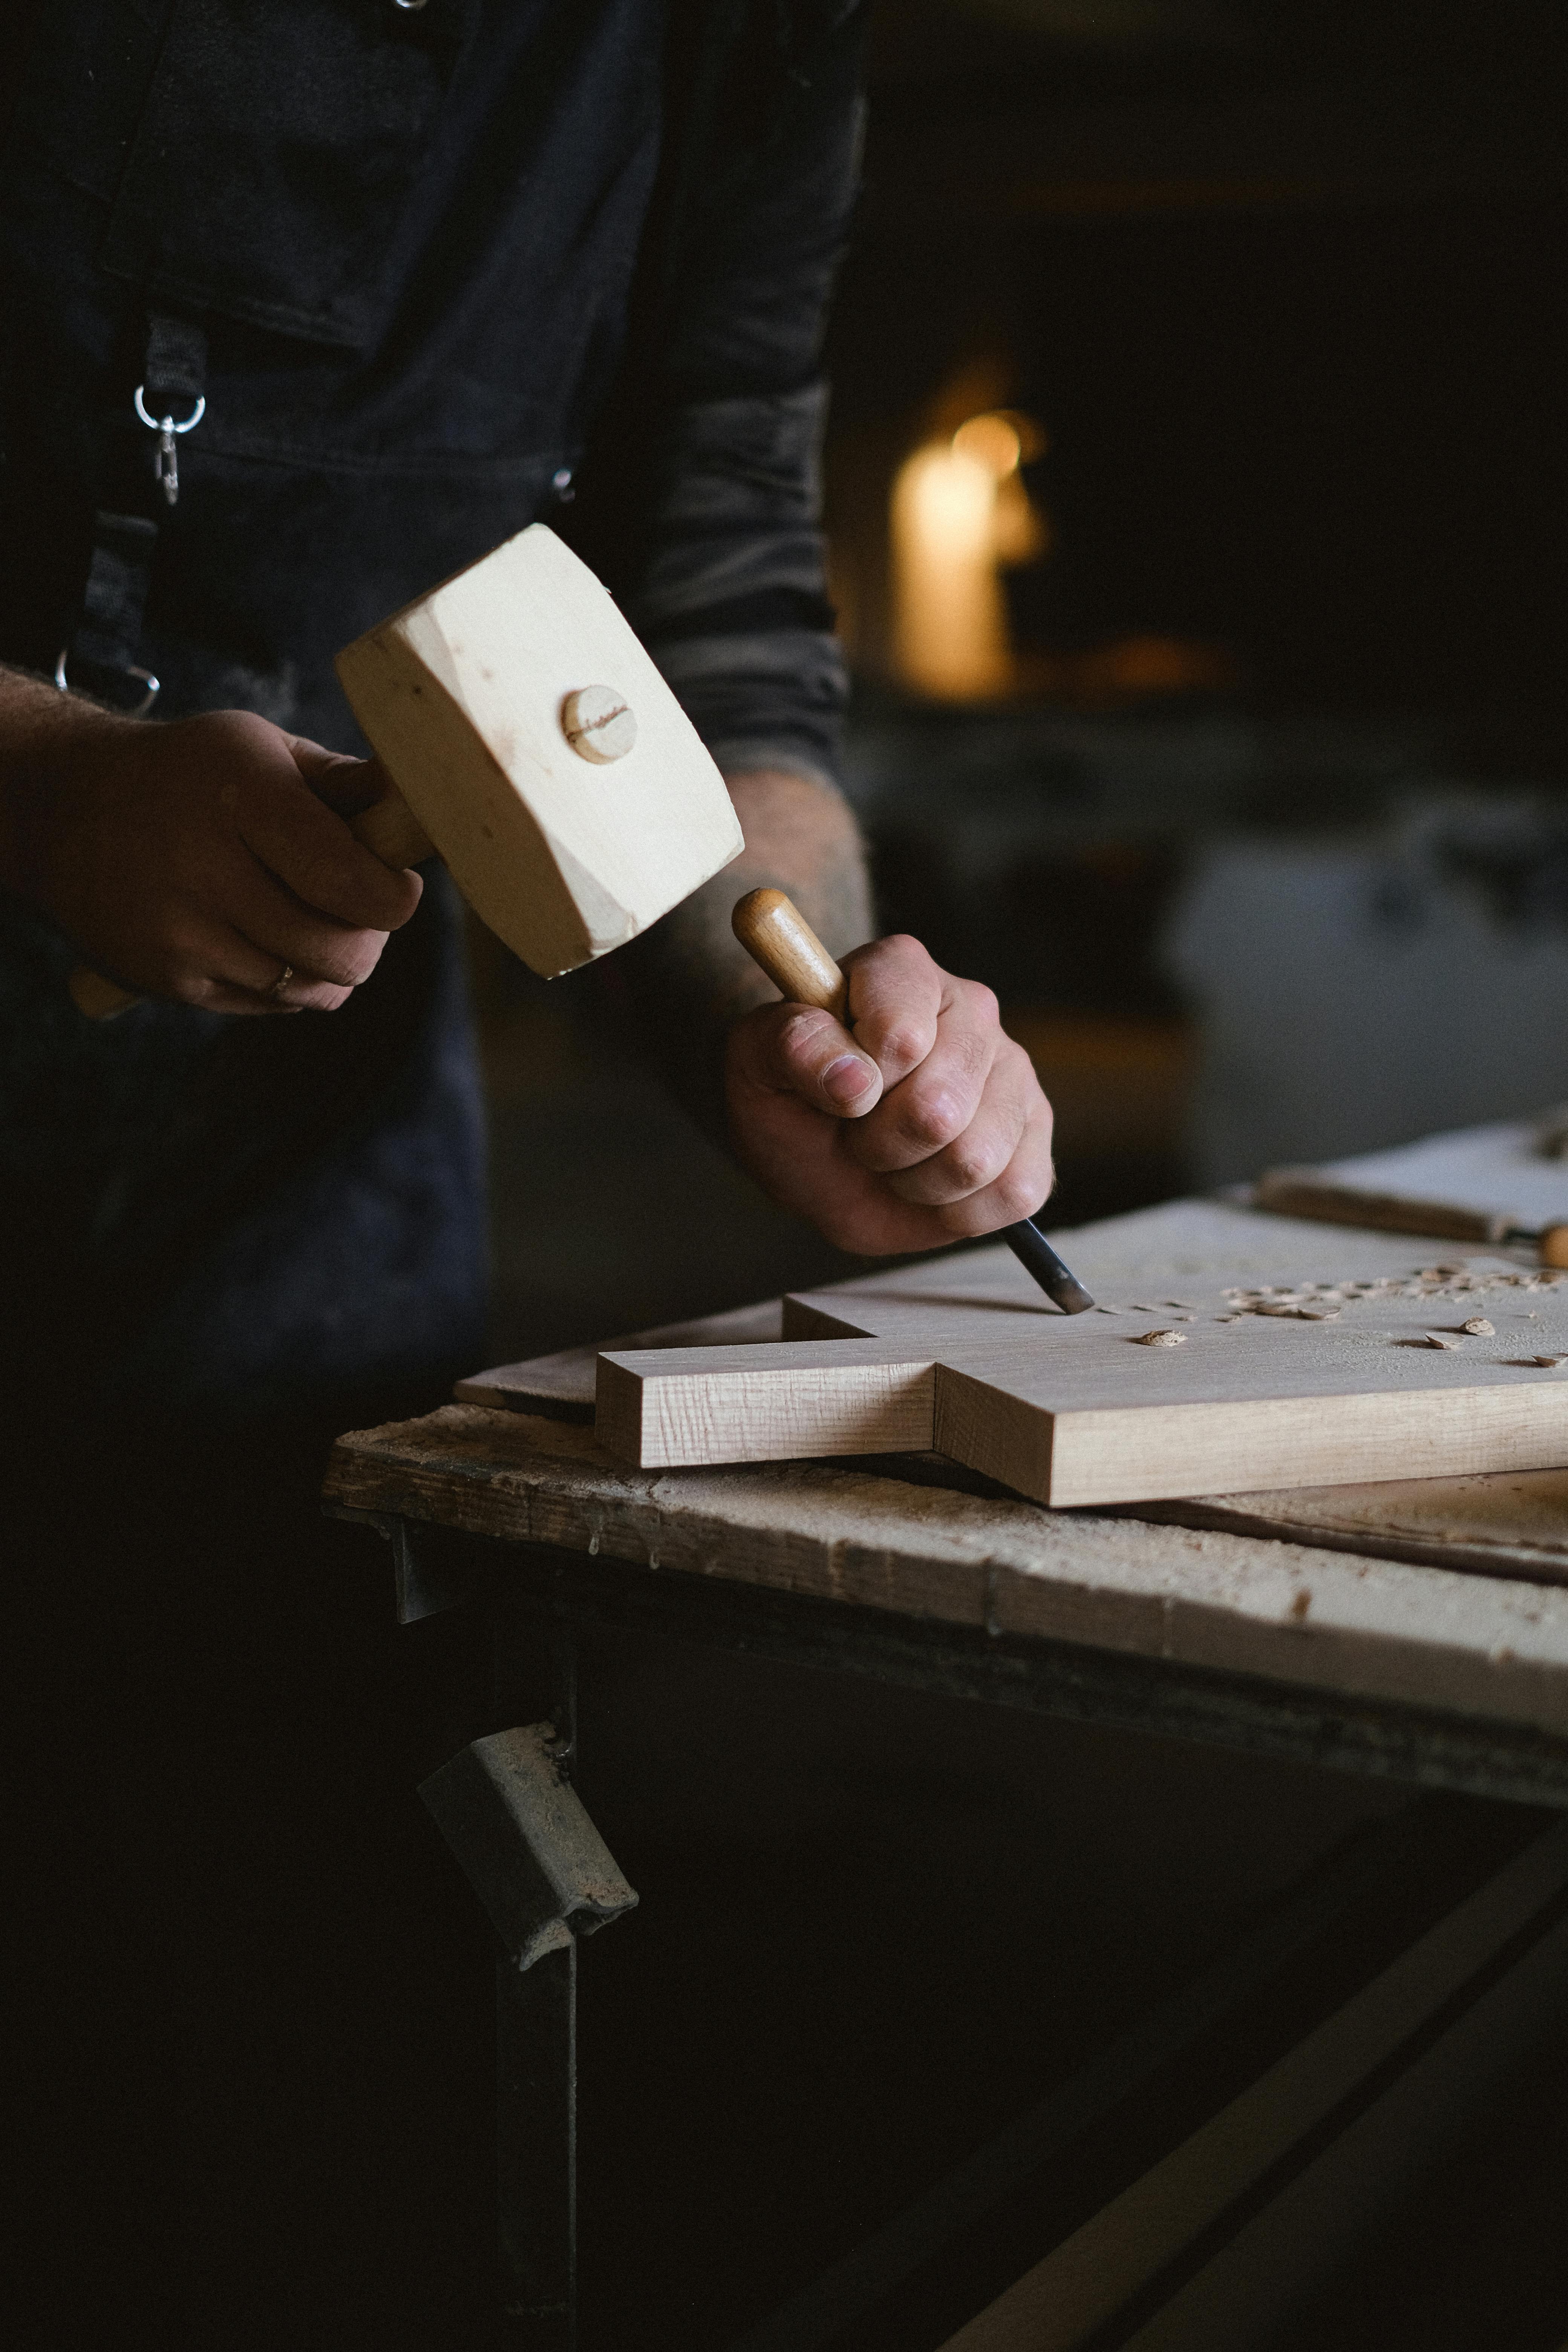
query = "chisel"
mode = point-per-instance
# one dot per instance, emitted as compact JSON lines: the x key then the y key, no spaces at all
{"x":776,"y":935}
{"x":1309,"y":1192}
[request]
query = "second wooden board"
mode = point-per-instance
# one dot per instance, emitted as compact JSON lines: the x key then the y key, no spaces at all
{"x":1233,"y":1387}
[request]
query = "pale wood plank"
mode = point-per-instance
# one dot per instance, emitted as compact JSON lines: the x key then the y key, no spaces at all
{"x":767,"y":1403}
{"x":562,"y":1384}
{"x":1509,"y":1523}
{"x":1495,"y":1524}
{"x":1074,"y":1410}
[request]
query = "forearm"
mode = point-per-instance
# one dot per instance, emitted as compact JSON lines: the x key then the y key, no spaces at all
{"x":689,"y":980}
{"x":39,"y":726}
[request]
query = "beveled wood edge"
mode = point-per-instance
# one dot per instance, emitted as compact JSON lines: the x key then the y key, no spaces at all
{"x":562,"y":1385}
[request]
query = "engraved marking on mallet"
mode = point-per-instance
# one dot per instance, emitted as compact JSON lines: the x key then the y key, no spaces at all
{"x":599,"y":724}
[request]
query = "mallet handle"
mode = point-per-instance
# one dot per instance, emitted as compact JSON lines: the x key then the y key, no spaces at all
{"x":776,"y":935}
{"x":388,"y":829}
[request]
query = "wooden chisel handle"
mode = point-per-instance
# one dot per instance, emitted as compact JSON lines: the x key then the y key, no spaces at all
{"x":776,"y":935}
{"x":1306,"y":1192}
{"x":388,"y":829}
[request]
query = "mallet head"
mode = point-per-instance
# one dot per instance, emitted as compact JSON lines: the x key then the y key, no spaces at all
{"x":542,"y":753}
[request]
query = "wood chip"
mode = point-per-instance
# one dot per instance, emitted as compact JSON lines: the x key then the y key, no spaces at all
{"x":1161,"y":1339}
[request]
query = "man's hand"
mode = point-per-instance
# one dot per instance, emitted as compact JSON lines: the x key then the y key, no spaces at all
{"x":921,"y":1123}
{"x":198,"y":860}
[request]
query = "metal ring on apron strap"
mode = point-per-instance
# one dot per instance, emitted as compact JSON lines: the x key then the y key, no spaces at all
{"x":166,"y":465}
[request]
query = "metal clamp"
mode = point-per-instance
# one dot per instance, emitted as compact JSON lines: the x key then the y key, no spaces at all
{"x":166,"y":464}
{"x":525,"y":1842}
{"x":127,"y":669}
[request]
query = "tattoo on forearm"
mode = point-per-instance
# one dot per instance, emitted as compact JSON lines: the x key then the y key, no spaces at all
{"x":689,"y":979}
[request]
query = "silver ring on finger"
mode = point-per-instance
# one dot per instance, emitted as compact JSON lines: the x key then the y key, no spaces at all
{"x":281,"y":983}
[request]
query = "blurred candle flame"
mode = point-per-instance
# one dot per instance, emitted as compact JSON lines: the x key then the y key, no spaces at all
{"x":959,"y":512}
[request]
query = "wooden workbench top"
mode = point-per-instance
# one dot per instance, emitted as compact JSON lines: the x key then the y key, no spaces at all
{"x":1444,"y":1593}
{"x":1489,"y":1647}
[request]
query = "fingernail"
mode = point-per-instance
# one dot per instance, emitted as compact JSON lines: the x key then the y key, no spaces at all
{"x":847,"y":1079}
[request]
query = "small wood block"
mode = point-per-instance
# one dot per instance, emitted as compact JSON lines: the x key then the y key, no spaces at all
{"x":463,"y":695}
{"x":1072,"y":1410}
{"x":766,"y":1403}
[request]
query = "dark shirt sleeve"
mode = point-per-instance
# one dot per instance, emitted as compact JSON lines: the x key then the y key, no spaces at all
{"x":722,"y":399}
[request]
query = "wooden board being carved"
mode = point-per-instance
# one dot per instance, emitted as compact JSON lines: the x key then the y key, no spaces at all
{"x":1422,"y":1372}
{"x":542,"y":752}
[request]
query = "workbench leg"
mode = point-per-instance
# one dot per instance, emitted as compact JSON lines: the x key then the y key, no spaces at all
{"x":536,"y":2052}
{"x":507,"y":1808}
{"x":536,"y":2085}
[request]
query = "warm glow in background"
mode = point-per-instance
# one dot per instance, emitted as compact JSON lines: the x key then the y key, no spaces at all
{"x":959,"y":513}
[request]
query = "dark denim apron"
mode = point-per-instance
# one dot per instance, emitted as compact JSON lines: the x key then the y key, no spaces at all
{"x":405,"y":240}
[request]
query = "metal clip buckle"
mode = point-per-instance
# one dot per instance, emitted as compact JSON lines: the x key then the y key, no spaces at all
{"x":166,"y":463}
{"x":127,"y":669}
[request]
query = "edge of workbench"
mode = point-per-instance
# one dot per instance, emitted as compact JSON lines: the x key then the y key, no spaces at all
{"x":1336,"y":1621}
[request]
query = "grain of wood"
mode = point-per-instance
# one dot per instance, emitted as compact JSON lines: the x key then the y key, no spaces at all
{"x":462,"y":695}
{"x":765,"y":1404}
{"x":1493,"y":1524}
{"x":1505,"y":1525}
{"x":1492,"y":1649}
{"x":776,"y":935}
{"x":1065,"y":1410}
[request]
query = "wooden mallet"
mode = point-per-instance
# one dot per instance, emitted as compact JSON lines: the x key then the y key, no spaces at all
{"x":531,"y":745}
{"x":776,"y":935}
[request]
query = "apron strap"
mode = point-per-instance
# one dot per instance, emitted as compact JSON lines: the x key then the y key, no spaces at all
{"x":101,"y":657}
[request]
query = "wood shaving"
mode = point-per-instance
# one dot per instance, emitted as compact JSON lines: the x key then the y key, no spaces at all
{"x":1161,"y":1339}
